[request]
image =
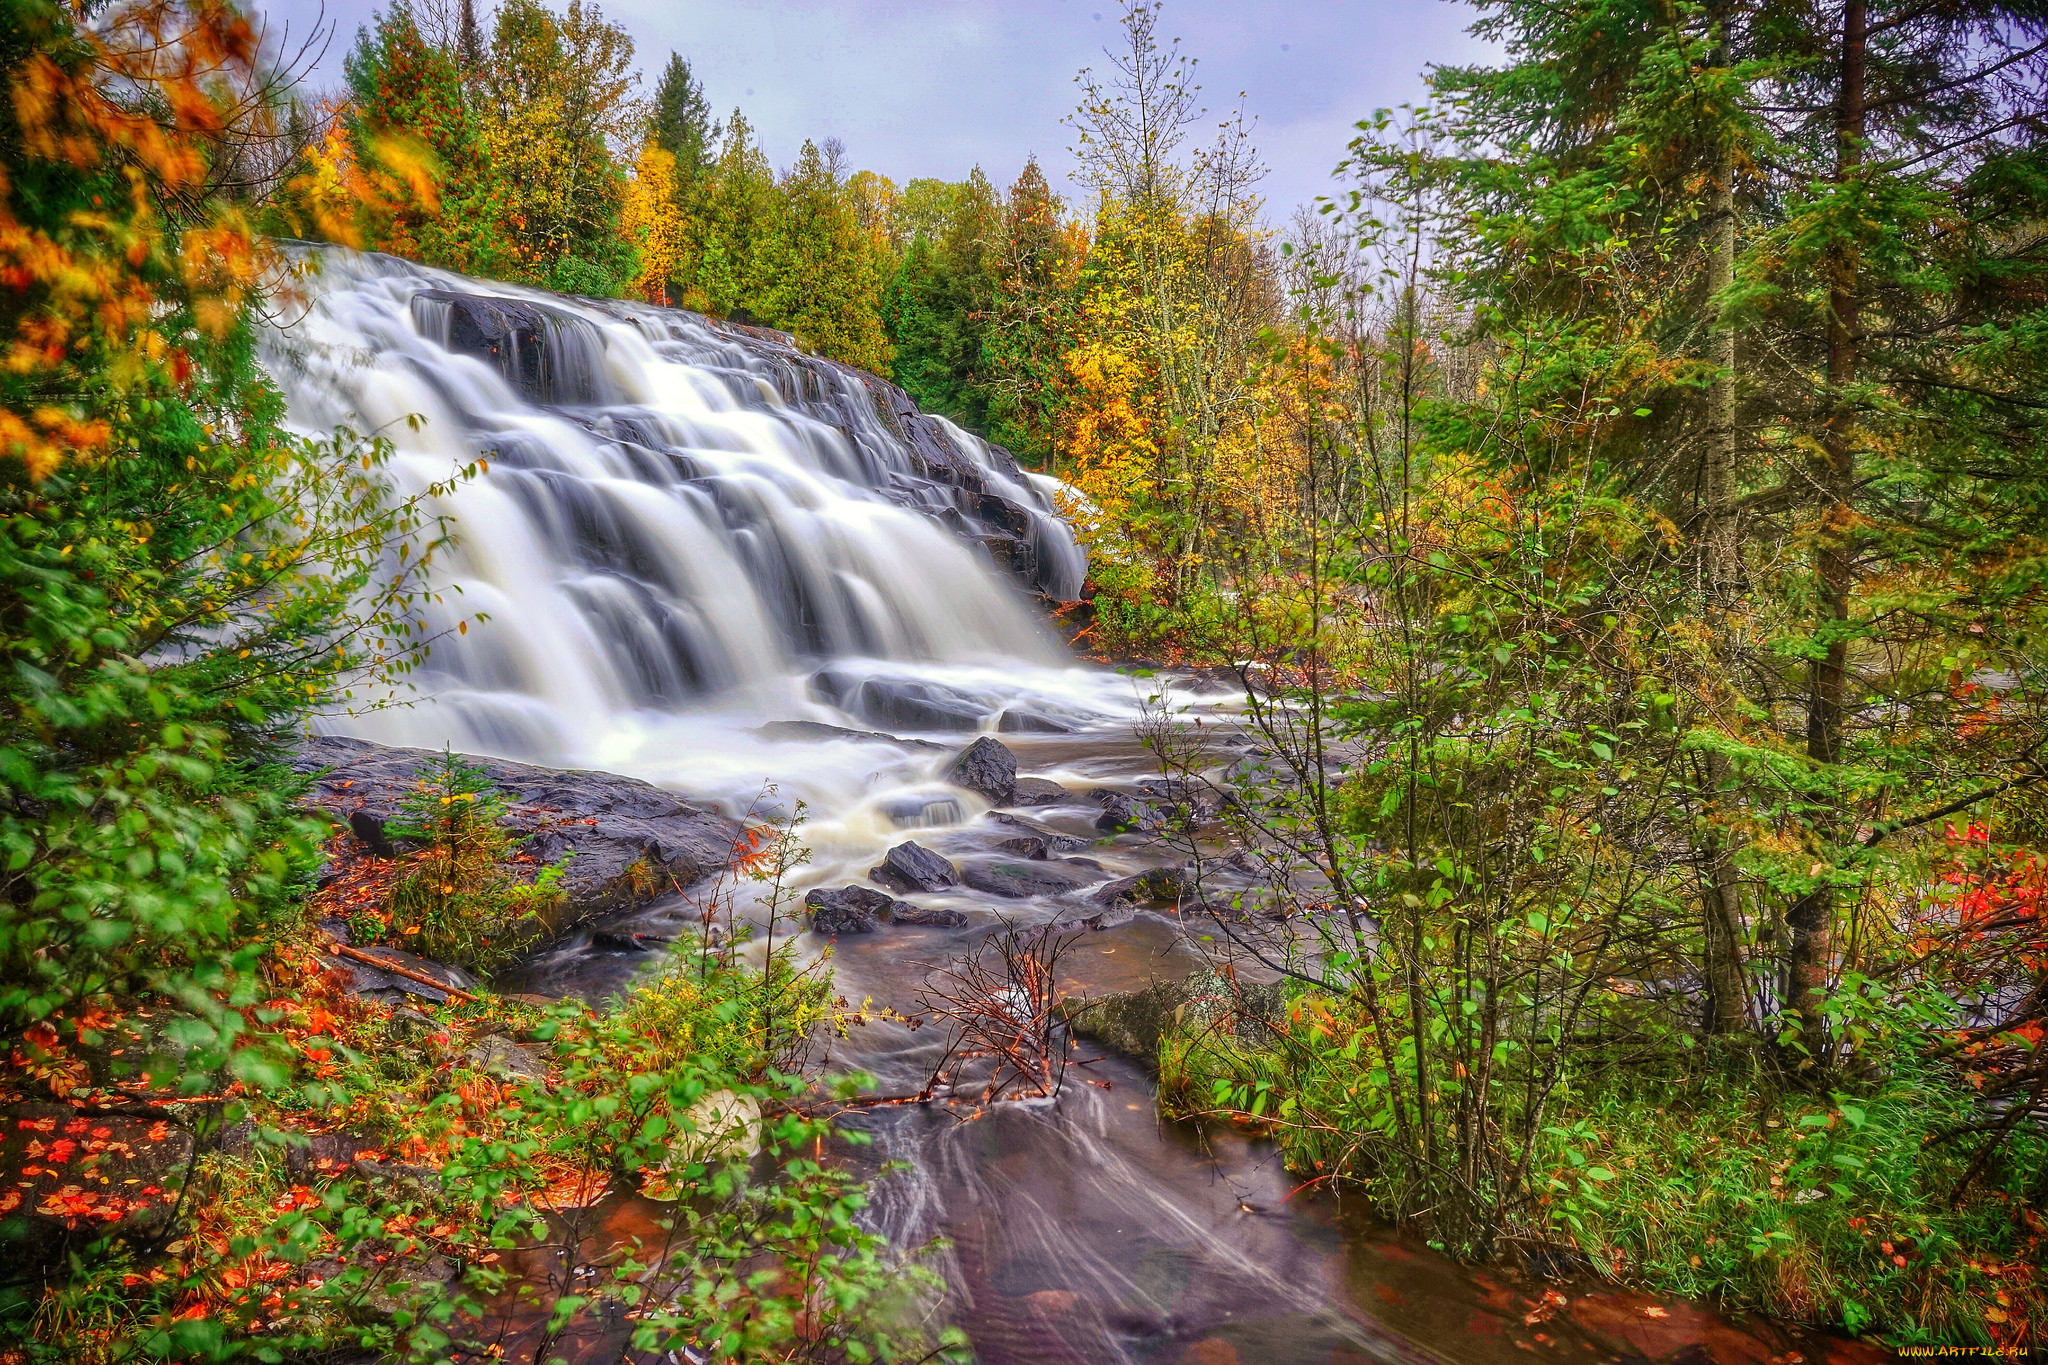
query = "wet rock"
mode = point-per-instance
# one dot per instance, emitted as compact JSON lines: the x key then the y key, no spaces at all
{"x":1122,"y":812}
{"x":369,"y":828}
{"x":548,"y":355}
{"x":1153,"y":886}
{"x":1018,"y":879}
{"x":499,"y":1056}
{"x":1186,"y":798}
{"x":1017,"y":721}
{"x":849,"y":910}
{"x":926,"y":916}
{"x":903,"y":702}
{"x":1132,"y":1022}
{"x":986,"y":767}
{"x":912,"y":867}
{"x":1023,"y":846}
{"x":1038,"y":791}
{"x":623,"y":941}
{"x":390,"y":987}
{"x":1055,"y":841}
{"x":817,"y":730}
{"x":631,"y":839}
{"x":122,"y":1174}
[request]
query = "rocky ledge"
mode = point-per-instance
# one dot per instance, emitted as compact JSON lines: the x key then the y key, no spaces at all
{"x":631,"y":839}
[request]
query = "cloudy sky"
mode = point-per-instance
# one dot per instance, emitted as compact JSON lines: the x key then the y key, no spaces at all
{"x":932,"y":87}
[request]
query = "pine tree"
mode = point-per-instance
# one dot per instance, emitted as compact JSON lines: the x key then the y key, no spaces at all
{"x":681,"y":124}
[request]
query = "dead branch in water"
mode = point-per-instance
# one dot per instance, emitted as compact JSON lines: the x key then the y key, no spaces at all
{"x":1003,"y":1005}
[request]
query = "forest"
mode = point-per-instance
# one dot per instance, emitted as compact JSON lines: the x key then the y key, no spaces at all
{"x":1621,"y":504}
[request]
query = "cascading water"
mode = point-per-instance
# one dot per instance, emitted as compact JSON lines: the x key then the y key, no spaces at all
{"x":679,"y":522}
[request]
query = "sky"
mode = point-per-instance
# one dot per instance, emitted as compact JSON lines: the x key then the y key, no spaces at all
{"x":933,"y":87}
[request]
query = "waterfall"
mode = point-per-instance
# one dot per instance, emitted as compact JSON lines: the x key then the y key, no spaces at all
{"x":686,"y":528}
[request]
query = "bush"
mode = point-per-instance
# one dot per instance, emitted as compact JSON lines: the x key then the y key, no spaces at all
{"x":457,"y":903}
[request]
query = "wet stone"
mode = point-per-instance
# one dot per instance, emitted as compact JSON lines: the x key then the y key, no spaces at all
{"x":849,"y":910}
{"x":1055,"y":841}
{"x":926,"y":916}
{"x":987,"y":768}
{"x":1038,"y":791}
{"x":1122,"y":813}
{"x":1019,"y":879}
{"x":912,"y":867}
{"x":1023,"y":846}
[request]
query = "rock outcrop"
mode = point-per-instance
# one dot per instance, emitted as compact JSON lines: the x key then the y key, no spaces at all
{"x":631,"y":839}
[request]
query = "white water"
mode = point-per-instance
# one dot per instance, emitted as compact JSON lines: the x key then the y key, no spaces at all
{"x":674,"y":545}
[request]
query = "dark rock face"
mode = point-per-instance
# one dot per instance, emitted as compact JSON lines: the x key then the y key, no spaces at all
{"x":912,"y":867}
{"x":1024,"y":846}
{"x":632,"y":840}
{"x":1132,"y":1022}
{"x":1037,"y":791}
{"x":549,"y":356}
{"x":861,"y":909}
{"x":1187,"y":799}
{"x":1018,"y":879}
{"x":986,"y":767}
{"x":1054,"y":841}
{"x":1123,"y":812}
{"x":926,"y":916}
{"x":849,"y":910}
{"x":900,"y":702}
{"x":123,"y":1172}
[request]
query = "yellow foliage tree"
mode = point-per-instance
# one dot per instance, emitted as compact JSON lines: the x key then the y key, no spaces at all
{"x":654,"y":221}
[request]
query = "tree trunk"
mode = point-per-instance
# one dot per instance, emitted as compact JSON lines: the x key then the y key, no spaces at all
{"x":1721,"y":900}
{"x":1811,"y":921}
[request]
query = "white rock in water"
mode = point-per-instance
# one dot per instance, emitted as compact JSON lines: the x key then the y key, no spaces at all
{"x":720,"y":1127}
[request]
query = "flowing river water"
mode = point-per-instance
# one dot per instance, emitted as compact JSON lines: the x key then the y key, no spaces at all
{"x":698,"y":549}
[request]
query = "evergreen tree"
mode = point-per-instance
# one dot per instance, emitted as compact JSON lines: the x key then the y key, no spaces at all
{"x":823,"y":275}
{"x":937,"y":304}
{"x":1029,"y":321}
{"x":681,"y":122}
{"x":737,"y":203}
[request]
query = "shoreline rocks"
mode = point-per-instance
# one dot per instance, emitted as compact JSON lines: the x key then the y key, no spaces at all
{"x":631,"y":840}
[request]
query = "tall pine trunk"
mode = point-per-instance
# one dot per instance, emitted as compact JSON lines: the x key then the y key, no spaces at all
{"x":1721,"y":900}
{"x":1812,"y":918}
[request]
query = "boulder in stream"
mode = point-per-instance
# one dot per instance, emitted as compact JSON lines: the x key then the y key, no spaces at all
{"x":903,"y":703}
{"x":912,"y":867}
{"x":986,"y":767}
{"x":1038,"y":791}
{"x":1132,"y":1022}
{"x":1020,"y":878}
{"x":1123,"y":812}
{"x":849,"y":910}
{"x":1054,"y":840}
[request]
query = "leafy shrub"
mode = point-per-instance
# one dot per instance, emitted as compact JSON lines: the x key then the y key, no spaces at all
{"x":457,"y":904}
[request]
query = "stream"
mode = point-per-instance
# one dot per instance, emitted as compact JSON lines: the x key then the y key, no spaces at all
{"x":757,"y":578}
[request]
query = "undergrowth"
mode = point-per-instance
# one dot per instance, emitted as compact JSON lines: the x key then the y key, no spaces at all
{"x":1837,"y":1210}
